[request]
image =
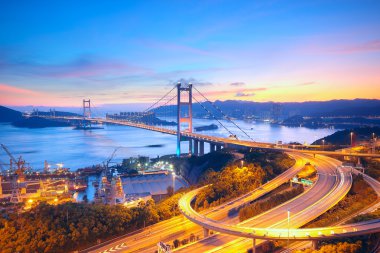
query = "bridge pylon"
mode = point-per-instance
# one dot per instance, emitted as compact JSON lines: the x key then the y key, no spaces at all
{"x":86,"y":113}
{"x":184,"y":116}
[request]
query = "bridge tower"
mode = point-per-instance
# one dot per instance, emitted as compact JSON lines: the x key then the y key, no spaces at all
{"x":86,"y":113}
{"x":86,"y":108}
{"x":184,"y":117}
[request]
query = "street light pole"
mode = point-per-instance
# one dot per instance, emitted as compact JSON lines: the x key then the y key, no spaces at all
{"x":351,"y":134}
{"x":288,"y":229}
{"x":173,"y":174}
{"x":323,"y":144}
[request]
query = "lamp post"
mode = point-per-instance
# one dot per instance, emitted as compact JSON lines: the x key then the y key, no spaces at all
{"x":174,"y":175}
{"x":351,"y":134}
{"x":323,"y":144}
{"x":288,"y":229}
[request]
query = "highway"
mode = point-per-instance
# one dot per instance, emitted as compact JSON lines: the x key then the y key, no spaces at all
{"x":279,"y":230}
{"x":331,"y":187}
{"x":180,"y":227}
{"x":220,"y":140}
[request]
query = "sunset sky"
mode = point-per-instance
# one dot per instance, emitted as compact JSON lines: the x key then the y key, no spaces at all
{"x":55,"y":53}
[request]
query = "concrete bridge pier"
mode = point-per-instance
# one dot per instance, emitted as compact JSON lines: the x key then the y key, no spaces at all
{"x":314,"y":244}
{"x":254,"y":245}
{"x":196,"y":146}
{"x":201,"y":148}
{"x":190,"y":146}
{"x":218,"y":147}
{"x":206,"y":232}
{"x":212,"y":147}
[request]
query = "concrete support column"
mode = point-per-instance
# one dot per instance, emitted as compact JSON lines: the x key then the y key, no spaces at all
{"x":218,"y":147}
{"x":206,"y":232}
{"x":212,"y":147}
{"x":196,"y":145}
{"x":190,"y":146}
{"x":254,"y":246}
{"x":201,"y":148}
{"x":314,"y":244}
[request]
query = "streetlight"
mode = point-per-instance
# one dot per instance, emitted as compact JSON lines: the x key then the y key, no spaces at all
{"x":351,"y":134}
{"x":174,"y":175}
{"x":288,"y":228}
{"x":323,"y":144}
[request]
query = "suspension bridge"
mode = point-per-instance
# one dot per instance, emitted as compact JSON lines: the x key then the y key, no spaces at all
{"x":176,"y":107}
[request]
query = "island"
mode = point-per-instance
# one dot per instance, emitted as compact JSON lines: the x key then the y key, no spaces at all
{"x":206,"y":128}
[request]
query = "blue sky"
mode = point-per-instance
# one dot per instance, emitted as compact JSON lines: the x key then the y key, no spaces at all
{"x":58,"y":52}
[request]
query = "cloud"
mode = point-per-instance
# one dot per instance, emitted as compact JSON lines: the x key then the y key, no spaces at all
{"x":342,"y":49}
{"x":173,"y":47}
{"x":369,"y":46}
{"x":190,"y":80}
{"x":237,"y":84}
{"x":84,"y":66}
{"x":305,"y":84}
{"x":242,"y":94}
{"x":8,"y":89}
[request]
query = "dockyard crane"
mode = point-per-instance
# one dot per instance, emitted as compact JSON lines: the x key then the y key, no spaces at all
{"x":20,"y":163}
{"x":17,"y":175}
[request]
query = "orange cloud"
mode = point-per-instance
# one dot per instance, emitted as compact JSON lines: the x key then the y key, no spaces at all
{"x":14,"y":96}
{"x":7,"y":89}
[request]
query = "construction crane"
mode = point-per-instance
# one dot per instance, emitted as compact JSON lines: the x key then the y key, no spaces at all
{"x":17,"y":176}
{"x":20,"y":163}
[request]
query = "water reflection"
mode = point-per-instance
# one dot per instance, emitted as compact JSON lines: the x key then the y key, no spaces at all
{"x":79,"y":148}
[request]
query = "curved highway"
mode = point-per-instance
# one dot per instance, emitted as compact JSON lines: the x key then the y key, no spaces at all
{"x":169,"y":230}
{"x":278,"y":230}
{"x":332,"y":185}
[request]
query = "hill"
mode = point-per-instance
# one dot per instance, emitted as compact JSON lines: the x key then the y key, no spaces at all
{"x":343,"y":137}
{"x":245,"y":109}
{"x":9,"y":115}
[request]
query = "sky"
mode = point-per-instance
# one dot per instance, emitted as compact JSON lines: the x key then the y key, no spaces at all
{"x":56,"y":53}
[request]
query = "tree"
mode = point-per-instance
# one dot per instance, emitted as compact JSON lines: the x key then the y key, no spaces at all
{"x":170,"y":190}
{"x":176,"y":243}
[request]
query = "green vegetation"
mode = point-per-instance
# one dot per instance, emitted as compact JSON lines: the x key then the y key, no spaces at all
{"x":340,"y":247}
{"x":273,"y":163}
{"x":343,"y":137}
{"x":262,"y":206}
{"x":194,"y":167}
{"x":61,"y":228}
{"x":232,"y":182}
{"x":353,"y":202}
{"x":235,"y":180}
{"x":365,"y":217}
{"x":372,"y":168}
{"x":65,"y":227}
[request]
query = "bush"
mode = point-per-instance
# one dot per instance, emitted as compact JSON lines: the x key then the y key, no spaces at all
{"x":176,"y":243}
{"x":262,"y":206}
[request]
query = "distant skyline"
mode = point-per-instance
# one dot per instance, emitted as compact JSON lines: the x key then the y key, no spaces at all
{"x":55,"y":53}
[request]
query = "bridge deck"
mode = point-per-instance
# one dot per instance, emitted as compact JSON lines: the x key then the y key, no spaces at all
{"x":223,"y":140}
